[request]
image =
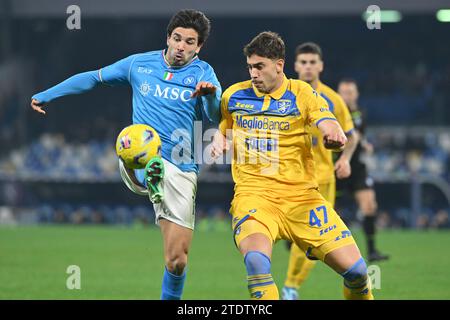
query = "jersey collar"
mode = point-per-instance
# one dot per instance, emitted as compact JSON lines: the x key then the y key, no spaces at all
{"x":277,"y":94}
{"x":319,"y":86}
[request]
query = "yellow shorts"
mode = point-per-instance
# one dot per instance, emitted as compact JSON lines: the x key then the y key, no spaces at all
{"x":307,"y":220}
{"x":328,"y":191}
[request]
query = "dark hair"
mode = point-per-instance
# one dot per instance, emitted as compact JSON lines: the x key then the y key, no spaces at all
{"x":189,"y":18}
{"x":267,"y":44}
{"x":309,"y":47}
{"x":348,"y":80}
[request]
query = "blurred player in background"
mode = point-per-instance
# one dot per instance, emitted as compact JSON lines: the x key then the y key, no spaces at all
{"x":276,"y":193}
{"x":170,"y":89}
{"x":360,"y":184}
{"x":309,"y":65}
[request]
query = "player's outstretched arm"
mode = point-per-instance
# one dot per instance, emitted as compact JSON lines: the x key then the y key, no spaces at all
{"x":333,"y":136}
{"x":76,"y":84}
{"x":37,"y":106}
{"x":115,"y":73}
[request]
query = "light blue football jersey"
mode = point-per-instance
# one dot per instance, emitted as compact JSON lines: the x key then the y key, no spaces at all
{"x":161,"y":98}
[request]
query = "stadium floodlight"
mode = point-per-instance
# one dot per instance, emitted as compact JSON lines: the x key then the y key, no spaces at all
{"x":443,"y":15}
{"x":386,"y":16}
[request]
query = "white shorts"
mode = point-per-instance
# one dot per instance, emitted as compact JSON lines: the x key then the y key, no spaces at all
{"x":179,"y":188}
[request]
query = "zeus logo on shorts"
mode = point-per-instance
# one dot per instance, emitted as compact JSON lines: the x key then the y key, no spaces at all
{"x":344,"y":234}
{"x":323,"y":231}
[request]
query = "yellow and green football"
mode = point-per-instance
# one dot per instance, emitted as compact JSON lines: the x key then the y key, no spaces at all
{"x":137,"y":144}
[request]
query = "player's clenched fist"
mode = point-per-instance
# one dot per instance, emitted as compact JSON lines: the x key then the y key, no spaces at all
{"x":333,"y":136}
{"x":219,"y":144}
{"x":37,"y":106}
{"x":203,"y":88}
{"x":342,"y":167}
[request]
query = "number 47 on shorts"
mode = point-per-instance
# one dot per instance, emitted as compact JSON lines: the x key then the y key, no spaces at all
{"x":314,"y":215}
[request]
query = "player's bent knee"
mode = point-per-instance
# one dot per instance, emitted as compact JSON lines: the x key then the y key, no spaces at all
{"x":357,"y":282}
{"x":368,"y":209}
{"x":176,"y":266}
{"x":356,"y":273}
{"x":257,"y":262}
{"x":176,"y":263}
{"x":256,"y":242}
{"x":373,"y":207}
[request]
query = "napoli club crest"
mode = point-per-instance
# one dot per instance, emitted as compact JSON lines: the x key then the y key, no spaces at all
{"x":189,"y":80}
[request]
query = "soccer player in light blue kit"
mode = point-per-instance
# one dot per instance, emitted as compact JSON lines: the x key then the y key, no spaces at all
{"x":171,"y":88}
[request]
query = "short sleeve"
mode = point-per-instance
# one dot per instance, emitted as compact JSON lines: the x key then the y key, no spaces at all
{"x":316,"y":106}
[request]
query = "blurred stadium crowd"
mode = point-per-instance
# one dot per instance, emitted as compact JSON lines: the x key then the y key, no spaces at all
{"x":52,"y":157}
{"x":404,"y":94}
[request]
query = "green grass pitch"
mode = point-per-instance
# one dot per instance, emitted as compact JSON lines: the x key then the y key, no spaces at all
{"x":126,"y":263}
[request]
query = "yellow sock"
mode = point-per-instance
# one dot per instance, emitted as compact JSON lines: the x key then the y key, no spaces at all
{"x":358,"y":290}
{"x":299,"y":268}
{"x":262,"y":287}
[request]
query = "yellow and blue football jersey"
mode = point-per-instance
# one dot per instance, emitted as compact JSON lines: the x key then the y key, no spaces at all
{"x":272,"y":143}
{"x":273,"y":167}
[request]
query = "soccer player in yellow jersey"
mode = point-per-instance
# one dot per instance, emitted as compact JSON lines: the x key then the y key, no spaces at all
{"x":309,"y":65}
{"x":276,"y":193}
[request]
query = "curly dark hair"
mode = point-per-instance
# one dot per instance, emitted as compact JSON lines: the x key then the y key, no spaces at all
{"x":267,"y":44}
{"x":189,"y":18}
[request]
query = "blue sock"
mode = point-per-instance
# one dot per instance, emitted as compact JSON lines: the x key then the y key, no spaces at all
{"x":172,"y":285}
{"x":256,"y":262}
{"x":260,"y":281}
